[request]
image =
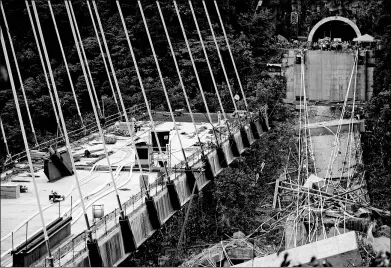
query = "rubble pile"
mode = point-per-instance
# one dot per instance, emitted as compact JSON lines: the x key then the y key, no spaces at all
{"x":228,"y":252}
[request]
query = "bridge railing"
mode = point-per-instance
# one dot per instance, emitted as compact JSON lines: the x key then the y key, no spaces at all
{"x":75,"y":135}
{"x":109,"y":222}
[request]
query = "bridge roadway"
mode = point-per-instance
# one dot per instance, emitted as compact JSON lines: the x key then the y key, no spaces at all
{"x":96,"y":187}
{"x":93,"y":184}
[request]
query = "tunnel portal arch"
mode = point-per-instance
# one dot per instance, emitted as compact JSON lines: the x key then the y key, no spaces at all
{"x":330,"y":19}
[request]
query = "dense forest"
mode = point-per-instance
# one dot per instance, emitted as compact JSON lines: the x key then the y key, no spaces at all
{"x":251,"y":39}
{"x":378,"y":145}
{"x":252,"y":36}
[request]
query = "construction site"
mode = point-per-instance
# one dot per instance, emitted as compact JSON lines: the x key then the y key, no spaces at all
{"x":129,"y":188}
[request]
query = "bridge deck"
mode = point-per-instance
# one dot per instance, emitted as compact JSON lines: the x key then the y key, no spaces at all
{"x":96,"y":185}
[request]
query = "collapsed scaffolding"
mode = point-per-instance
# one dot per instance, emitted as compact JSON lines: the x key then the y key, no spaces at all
{"x":320,"y":205}
{"x":312,"y":204}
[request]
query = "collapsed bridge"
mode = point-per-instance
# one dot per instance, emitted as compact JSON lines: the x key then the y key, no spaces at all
{"x":124,"y":230}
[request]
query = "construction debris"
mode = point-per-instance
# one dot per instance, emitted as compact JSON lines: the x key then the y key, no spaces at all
{"x":228,"y":253}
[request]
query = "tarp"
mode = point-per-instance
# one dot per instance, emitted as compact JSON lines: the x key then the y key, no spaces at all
{"x":364,"y":38}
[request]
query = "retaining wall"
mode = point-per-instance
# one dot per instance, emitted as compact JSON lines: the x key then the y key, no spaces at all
{"x":327,"y":75}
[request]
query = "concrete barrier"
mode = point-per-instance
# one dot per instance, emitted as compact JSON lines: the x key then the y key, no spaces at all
{"x":10,"y":191}
{"x":35,"y":248}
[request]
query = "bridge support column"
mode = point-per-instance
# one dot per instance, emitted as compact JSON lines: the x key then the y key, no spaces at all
{"x":173,"y":195}
{"x":191,"y":180}
{"x":233,"y":146}
{"x":221,"y":157}
{"x":94,"y":254}
{"x":207,"y":168}
{"x":254,"y":130}
{"x":152,"y":213}
{"x":243,"y":134}
{"x":127,"y":235}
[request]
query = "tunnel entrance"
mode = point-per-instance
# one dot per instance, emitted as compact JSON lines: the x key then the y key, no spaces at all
{"x":334,"y":27}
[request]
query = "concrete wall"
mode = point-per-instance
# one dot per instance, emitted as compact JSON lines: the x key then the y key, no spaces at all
{"x":327,"y":75}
